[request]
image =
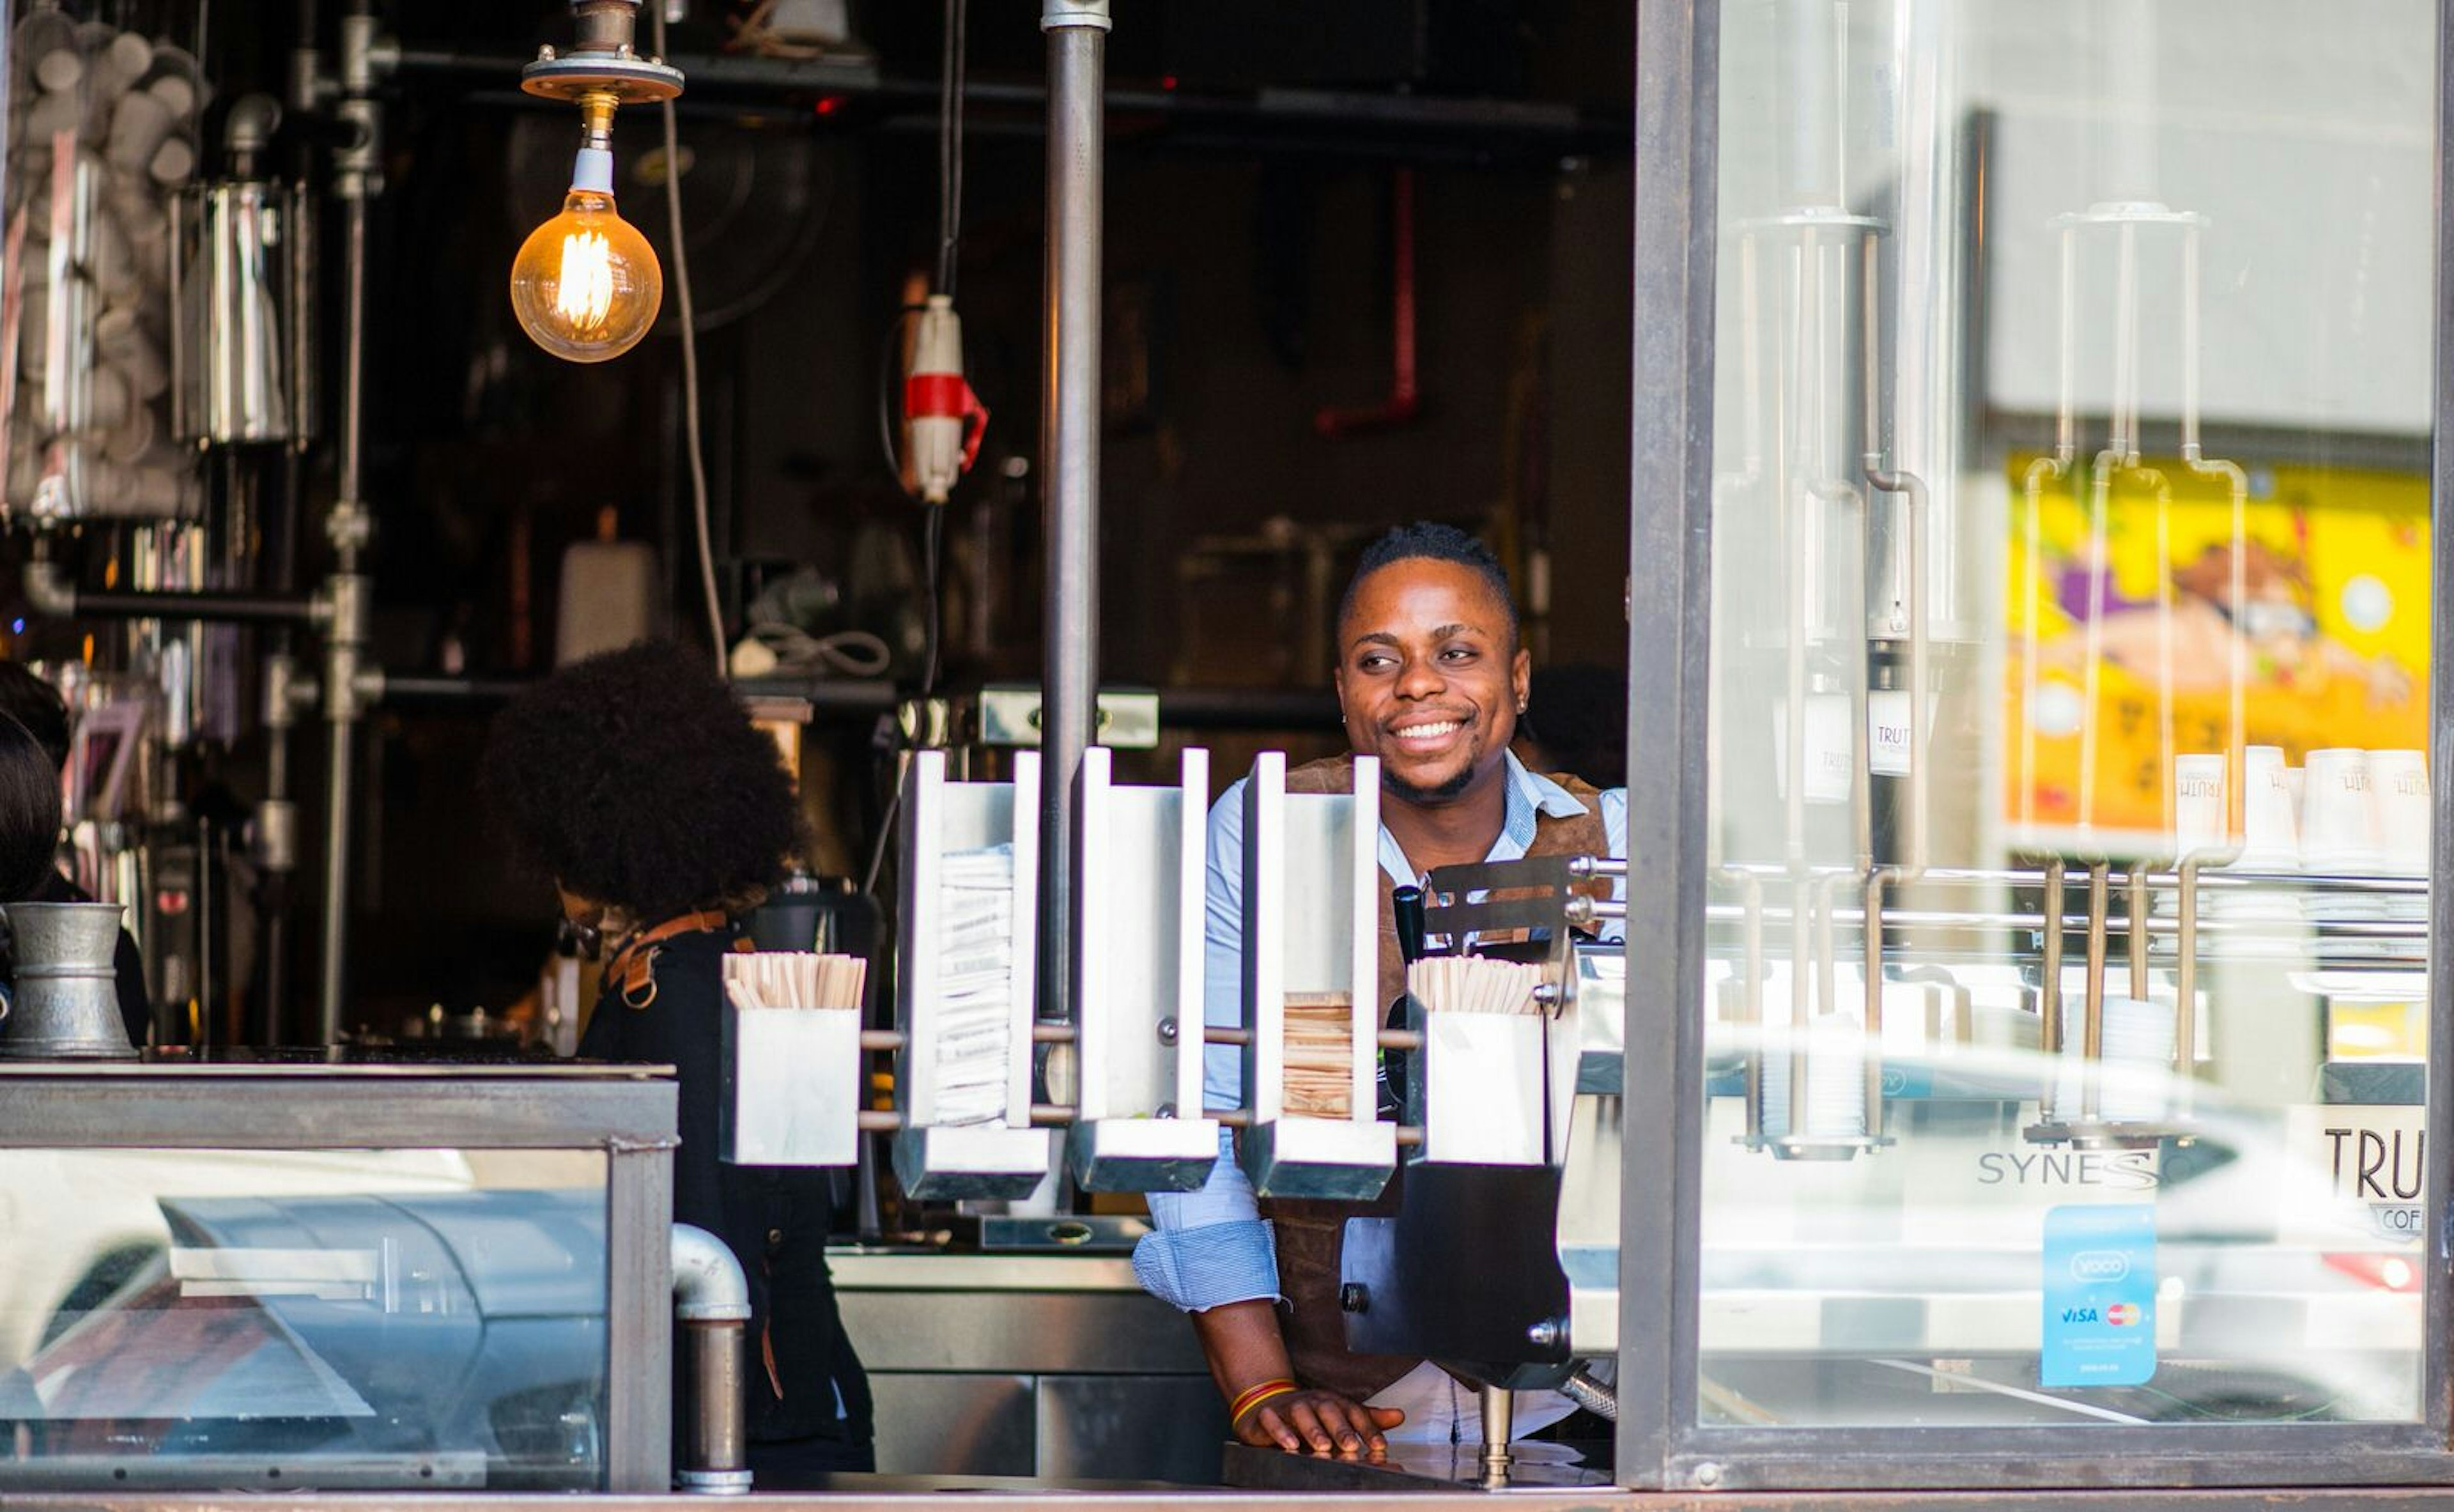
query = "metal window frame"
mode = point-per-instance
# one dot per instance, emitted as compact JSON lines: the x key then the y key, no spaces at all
{"x":1660,"y":1444}
{"x":628,"y":1114}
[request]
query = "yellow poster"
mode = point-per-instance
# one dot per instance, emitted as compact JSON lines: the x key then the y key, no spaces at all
{"x":2136,"y":603}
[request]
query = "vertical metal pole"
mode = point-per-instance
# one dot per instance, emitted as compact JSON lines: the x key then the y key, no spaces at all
{"x":639,"y":1317}
{"x":1669,"y":614}
{"x":1069,"y":447}
{"x":2439,"y":1316}
{"x":357,"y":178}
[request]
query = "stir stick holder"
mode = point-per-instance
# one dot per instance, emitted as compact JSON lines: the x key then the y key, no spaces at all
{"x":1138,"y":960}
{"x":1312,"y":879}
{"x":792,"y":1086}
{"x":961,"y":1137}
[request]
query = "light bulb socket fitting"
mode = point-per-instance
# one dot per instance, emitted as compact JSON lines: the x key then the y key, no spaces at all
{"x":593,"y":170}
{"x":603,"y":58}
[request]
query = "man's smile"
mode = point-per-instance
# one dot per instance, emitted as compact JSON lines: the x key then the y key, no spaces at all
{"x":1425,"y":735}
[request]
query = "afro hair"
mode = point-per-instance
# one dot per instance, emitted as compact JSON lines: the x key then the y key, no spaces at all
{"x":638,"y":781}
{"x":30,"y":813}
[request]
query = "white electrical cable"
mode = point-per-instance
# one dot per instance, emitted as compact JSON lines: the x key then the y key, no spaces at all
{"x":690,"y":365}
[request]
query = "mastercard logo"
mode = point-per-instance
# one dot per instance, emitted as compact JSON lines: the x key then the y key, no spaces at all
{"x":2122,"y":1315}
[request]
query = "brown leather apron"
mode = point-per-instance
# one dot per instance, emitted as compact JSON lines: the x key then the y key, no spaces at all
{"x":1311,"y":1232}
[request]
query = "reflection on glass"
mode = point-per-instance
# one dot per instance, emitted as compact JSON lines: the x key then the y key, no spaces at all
{"x":2071,"y":519}
{"x":328,"y":1320}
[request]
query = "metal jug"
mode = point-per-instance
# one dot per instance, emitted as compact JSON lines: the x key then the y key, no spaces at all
{"x":66,"y":1004}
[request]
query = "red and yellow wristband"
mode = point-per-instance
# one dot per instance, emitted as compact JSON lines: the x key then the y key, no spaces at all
{"x":1254,"y":1395}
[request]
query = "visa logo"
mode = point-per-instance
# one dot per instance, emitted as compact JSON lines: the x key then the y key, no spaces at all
{"x":2122,"y":1315}
{"x":2080,"y":1315}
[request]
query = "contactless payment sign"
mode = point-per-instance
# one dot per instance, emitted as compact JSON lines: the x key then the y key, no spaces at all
{"x":2100,"y":1296}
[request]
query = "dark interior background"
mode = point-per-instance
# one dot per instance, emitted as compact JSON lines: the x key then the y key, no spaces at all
{"x":1254,"y":147}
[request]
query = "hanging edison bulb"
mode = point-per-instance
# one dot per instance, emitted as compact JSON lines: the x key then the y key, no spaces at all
{"x":585,"y":285}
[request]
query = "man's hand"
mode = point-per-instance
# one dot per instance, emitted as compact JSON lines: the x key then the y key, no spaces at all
{"x":1320,"y":1421}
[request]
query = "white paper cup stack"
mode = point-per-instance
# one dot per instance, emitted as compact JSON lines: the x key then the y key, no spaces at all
{"x":1836,"y":1081}
{"x":2200,"y":817}
{"x":2400,"y":811}
{"x":2338,"y":817}
{"x":2135,"y":1065}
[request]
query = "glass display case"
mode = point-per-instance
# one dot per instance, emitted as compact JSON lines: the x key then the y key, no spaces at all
{"x":332,"y":1278}
{"x":2037,"y":430}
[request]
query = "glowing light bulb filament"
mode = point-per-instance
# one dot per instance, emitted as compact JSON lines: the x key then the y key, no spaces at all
{"x":584,"y":294}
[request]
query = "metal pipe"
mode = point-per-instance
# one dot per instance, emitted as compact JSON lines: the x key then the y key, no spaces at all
{"x":1069,"y":445}
{"x":1594,"y":1396}
{"x":1498,"y":1427}
{"x":712,"y":1304}
{"x":340,"y":768}
{"x":348,"y":684}
{"x":2091,"y":1043}
{"x":2414,"y":930}
{"x":227,"y":608}
{"x":347,"y":539}
{"x":2134,"y":948}
{"x":2049,"y":994}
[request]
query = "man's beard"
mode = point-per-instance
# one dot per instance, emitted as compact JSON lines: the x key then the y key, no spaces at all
{"x":1439,"y":792}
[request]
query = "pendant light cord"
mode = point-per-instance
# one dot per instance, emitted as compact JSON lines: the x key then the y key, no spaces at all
{"x":694,"y":443}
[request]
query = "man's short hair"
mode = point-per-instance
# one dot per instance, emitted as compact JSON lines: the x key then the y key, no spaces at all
{"x":36,"y":705}
{"x":1430,"y":540}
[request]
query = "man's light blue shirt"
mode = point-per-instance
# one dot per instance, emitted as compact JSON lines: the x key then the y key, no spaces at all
{"x":1212,"y":1247}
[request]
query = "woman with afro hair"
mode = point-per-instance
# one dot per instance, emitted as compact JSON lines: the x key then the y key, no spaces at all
{"x":638,"y":781}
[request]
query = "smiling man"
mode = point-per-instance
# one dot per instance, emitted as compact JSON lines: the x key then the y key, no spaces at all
{"x":1430,"y":679}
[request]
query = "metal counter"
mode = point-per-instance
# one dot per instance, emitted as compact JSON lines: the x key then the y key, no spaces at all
{"x":1046,"y":1365}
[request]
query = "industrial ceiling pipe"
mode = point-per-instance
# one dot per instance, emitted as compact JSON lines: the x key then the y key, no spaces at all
{"x":1069,"y":448}
{"x":712,"y":1304}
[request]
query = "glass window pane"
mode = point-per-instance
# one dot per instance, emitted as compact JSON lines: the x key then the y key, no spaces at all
{"x":2070,"y":694}
{"x":337,"y":1320}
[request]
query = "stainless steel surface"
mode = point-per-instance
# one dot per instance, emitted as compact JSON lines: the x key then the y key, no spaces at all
{"x":709,"y":1286}
{"x":1498,"y":1427}
{"x":1021,"y":1333}
{"x":241,"y":393}
{"x":1009,"y":1157}
{"x":923,"y":1271}
{"x":1138,"y":877}
{"x":958,"y":1423}
{"x":1303,"y":936}
{"x":66,"y":1000}
{"x":1341,"y":1158}
{"x":1145,"y":1427}
{"x":795,"y":1082}
{"x":1028,"y":1365}
{"x":1010,"y":713}
{"x":1069,"y":447}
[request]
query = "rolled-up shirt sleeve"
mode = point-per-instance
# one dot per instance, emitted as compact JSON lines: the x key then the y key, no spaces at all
{"x":1212,"y":1247}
